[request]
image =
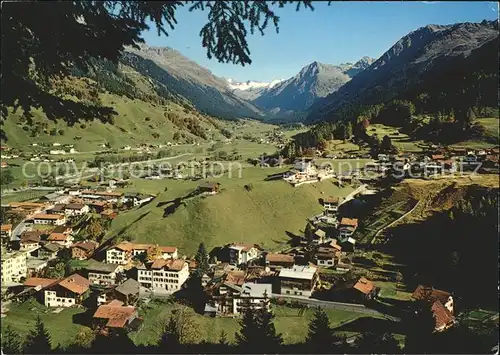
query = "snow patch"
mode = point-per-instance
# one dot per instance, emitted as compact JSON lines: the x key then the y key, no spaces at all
{"x":249,"y":85}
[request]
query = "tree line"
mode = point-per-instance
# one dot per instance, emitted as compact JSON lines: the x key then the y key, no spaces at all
{"x":115,"y":158}
{"x":180,"y":333}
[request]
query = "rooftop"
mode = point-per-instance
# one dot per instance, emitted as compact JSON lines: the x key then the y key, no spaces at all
{"x":75,"y":206}
{"x":320,"y":233}
{"x":88,"y":245}
{"x":129,"y":287}
{"x":305,"y":272}
{"x":128,"y":246}
{"x":35,"y":262}
{"x":429,"y":293}
{"x":47,"y":216}
{"x":101,"y":267}
{"x":75,"y":283}
{"x":235,"y":278}
{"x":53,"y":247}
{"x":52,"y":196}
{"x":241,"y":246}
{"x":169,"y":264}
{"x":256,"y":290}
{"x":209,"y":185}
{"x":102,"y":193}
{"x":59,"y":237}
{"x":39,"y":281}
{"x":364,"y":286}
{"x":352,"y":222}
{"x":116,"y":314}
{"x":6,"y":227}
{"x":442,"y":315}
{"x":62,"y":229}
{"x":283,"y":258}
{"x":30,"y":236}
{"x":58,"y":208}
{"x":332,"y":199}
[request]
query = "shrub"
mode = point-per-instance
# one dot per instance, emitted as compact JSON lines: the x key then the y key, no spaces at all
{"x":83,"y":126}
{"x":61,"y":132}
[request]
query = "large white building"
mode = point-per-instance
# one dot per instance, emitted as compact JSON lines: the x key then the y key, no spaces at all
{"x":123,"y":252}
{"x":55,"y":219}
{"x":242,"y":253}
{"x":254,"y":296}
{"x":76,"y":209}
{"x":299,"y":280}
{"x":166,"y":276}
{"x":13,"y":266}
{"x":67,"y":292}
{"x":305,"y":168}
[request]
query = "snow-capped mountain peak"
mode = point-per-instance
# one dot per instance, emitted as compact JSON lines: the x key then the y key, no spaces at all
{"x":249,"y":85}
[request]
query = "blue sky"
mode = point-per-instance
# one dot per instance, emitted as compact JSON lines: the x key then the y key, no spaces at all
{"x":341,"y":32}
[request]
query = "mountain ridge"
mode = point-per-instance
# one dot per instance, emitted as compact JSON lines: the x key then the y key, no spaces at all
{"x":426,"y":50}
{"x":313,"y":81}
{"x":179,"y":74}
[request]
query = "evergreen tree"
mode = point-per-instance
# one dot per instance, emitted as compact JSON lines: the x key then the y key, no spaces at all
{"x":180,"y":330}
{"x":347,"y":131}
{"x":10,"y":342}
{"x":257,"y":333}
{"x":373,"y":343}
{"x":469,"y":118}
{"x":201,"y":258}
{"x":170,"y":339}
{"x":320,"y":336}
{"x":419,"y":338}
{"x":223,"y":338}
{"x":38,"y":340}
{"x":386,"y":144}
{"x":112,"y":344}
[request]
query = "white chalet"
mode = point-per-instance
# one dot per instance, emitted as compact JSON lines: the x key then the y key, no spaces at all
{"x":164,"y":276}
{"x":242,"y":253}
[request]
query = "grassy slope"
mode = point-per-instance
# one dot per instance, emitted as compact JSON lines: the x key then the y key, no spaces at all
{"x":262,"y":215}
{"x":22,"y":318}
{"x":130,"y":127}
{"x":400,"y":140}
{"x":292,"y":326}
{"x":62,"y":330}
{"x":491,"y":135}
{"x":404,"y":143}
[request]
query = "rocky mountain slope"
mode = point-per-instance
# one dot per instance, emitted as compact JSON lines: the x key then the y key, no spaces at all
{"x":184,"y":77}
{"x":314,"y":81}
{"x":414,"y":63}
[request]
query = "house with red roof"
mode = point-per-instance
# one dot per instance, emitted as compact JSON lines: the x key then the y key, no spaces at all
{"x":347,"y":227}
{"x":83,"y":250}
{"x":441,"y":305}
{"x":114,"y":317}
{"x":356,"y":290}
{"x":65,"y":240}
{"x":68,"y":292}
